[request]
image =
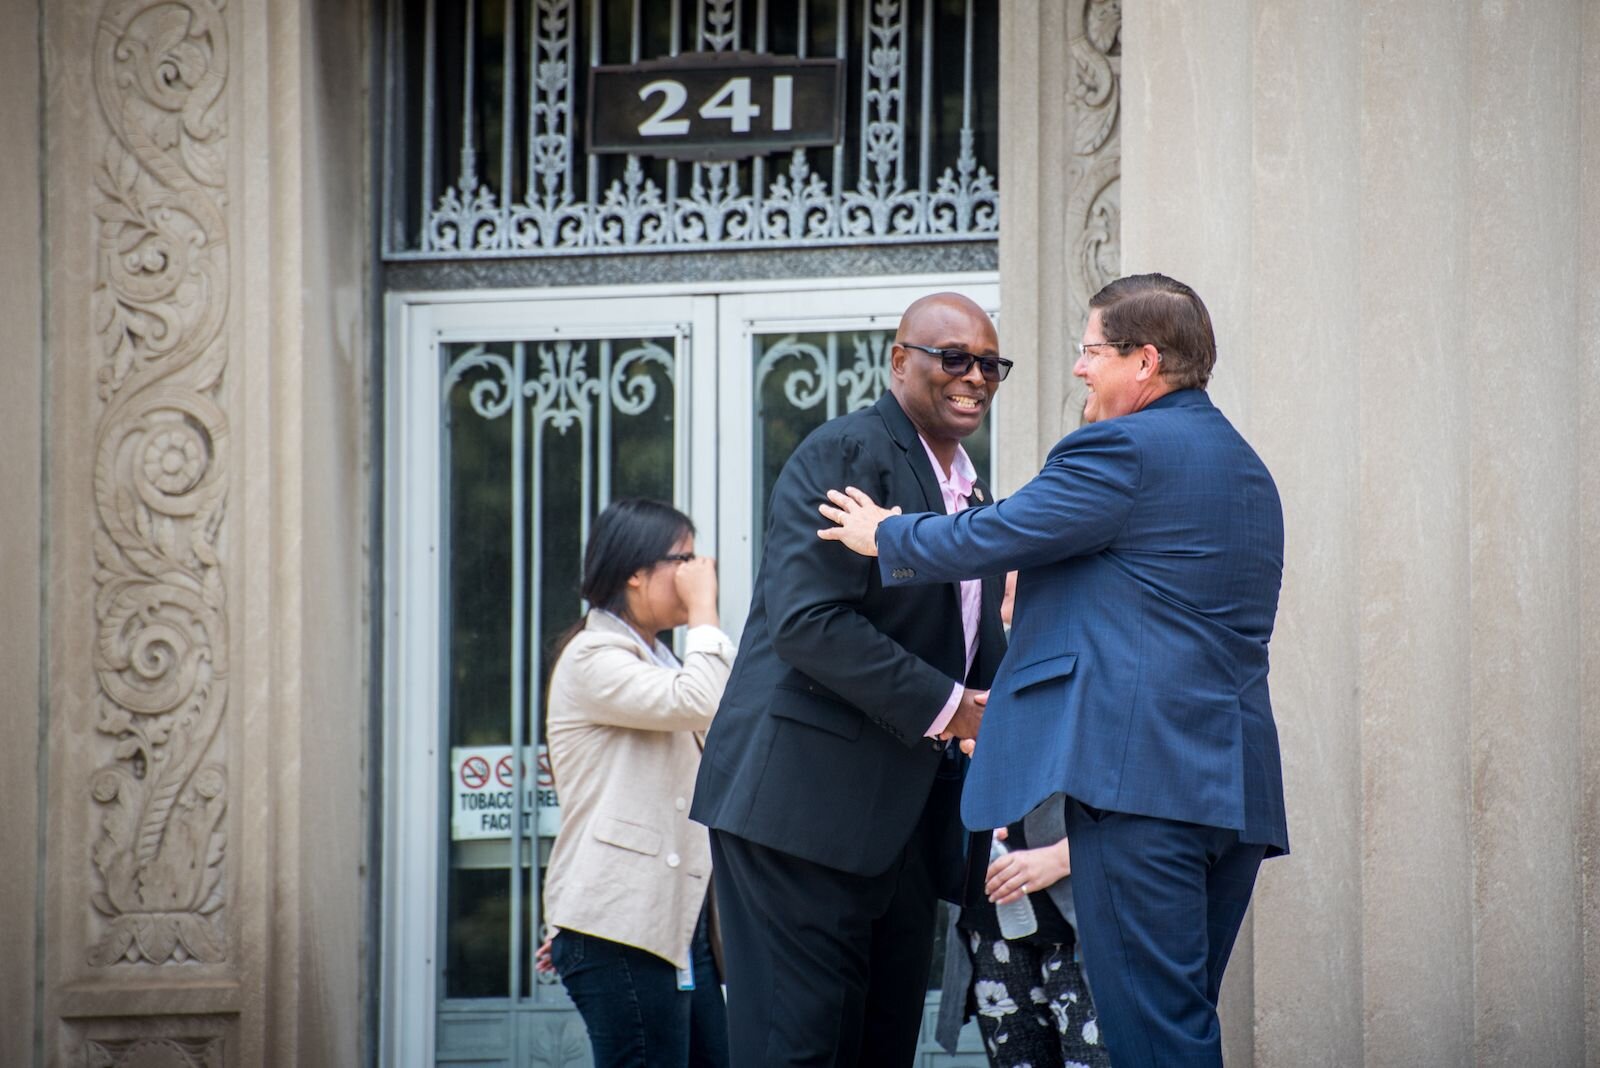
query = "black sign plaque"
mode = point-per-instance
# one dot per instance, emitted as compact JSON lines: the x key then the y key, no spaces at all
{"x":715,"y":105}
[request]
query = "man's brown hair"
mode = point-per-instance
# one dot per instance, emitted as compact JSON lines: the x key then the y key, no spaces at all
{"x":1152,"y":309}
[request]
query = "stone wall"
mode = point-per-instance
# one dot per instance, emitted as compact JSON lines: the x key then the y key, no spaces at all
{"x":21,"y":479}
{"x":206,"y":247}
{"x":1391,"y":210}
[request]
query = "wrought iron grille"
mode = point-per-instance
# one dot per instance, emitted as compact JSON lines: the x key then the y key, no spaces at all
{"x":540,"y":435}
{"x":484,"y":102}
{"x":802,"y":381}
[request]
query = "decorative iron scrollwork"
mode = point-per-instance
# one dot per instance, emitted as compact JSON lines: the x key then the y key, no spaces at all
{"x":784,"y":201}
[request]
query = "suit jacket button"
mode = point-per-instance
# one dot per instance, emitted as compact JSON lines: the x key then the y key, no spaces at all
{"x":673,"y":860}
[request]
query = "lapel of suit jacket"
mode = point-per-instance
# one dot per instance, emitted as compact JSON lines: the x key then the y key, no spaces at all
{"x":905,"y":436}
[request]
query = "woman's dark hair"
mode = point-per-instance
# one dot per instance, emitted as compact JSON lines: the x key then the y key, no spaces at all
{"x":630,"y":534}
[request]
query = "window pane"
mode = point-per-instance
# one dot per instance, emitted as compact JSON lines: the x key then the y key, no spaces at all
{"x":540,"y":436}
{"x":804,"y":379}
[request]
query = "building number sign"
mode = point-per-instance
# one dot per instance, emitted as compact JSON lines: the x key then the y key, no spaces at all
{"x":715,"y":105}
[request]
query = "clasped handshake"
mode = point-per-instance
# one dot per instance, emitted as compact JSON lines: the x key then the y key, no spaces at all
{"x":856,"y":517}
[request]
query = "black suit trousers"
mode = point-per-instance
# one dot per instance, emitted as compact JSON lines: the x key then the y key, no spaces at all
{"x":825,"y":968}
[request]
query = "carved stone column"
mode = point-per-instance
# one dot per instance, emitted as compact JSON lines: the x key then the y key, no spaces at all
{"x":1094,"y":176}
{"x":1060,"y":230}
{"x":143,"y":744}
{"x":207,"y":255}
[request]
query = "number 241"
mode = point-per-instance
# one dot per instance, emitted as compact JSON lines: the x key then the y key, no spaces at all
{"x":731,"y":102}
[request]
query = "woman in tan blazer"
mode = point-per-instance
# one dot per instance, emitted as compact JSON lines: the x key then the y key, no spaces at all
{"x":628,"y":879}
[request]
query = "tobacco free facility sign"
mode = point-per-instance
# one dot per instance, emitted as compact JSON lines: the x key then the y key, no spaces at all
{"x":483,"y":799}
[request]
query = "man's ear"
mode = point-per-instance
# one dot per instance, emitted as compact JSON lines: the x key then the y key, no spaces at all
{"x":898,"y":354}
{"x":1149,"y":362}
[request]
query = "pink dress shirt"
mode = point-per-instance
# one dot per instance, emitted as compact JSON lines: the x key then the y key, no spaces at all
{"x":956,"y":487}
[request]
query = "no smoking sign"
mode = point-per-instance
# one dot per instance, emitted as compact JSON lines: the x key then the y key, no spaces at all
{"x":474,"y":773}
{"x":483,"y":783}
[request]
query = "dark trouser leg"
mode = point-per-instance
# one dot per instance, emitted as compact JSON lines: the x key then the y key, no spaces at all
{"x":798,"y":940}
{"x":708,"y":1011}
{"x":902,"y":957}
{"x":1155,"y":943}
{"x":1229,"y":884}
{"x":629,"y":1000}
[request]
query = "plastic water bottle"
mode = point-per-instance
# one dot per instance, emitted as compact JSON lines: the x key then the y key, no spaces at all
{"x":1016,"y":919}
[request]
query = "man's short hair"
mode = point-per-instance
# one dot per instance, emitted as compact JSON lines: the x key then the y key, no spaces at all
{"x":1152,"y":309}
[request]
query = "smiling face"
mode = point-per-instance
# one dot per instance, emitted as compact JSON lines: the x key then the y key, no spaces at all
{"x":944,"y":408}
{"x":1118,"y":379}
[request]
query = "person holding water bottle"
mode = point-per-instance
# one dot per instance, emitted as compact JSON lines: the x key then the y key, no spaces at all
{"x":1013,"y":957}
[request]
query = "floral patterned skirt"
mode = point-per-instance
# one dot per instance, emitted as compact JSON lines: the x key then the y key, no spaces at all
{"x":1034,"y":1009}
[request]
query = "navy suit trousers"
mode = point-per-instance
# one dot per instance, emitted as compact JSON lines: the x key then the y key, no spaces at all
{"x":1159,"y":906}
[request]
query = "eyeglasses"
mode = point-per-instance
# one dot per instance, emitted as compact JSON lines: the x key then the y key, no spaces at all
{"x":676,"y":558}
{"x":956,"y":363}
{"x":1083,"y":350}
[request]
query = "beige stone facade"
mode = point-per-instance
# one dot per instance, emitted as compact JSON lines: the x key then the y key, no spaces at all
{"x":1391,"y":212}
{"x":1392,"y":209}
{"x":197,"y":410}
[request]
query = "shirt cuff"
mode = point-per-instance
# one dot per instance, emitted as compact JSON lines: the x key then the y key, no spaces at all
{"x":946,"y":714}
{"x":708,"y":639}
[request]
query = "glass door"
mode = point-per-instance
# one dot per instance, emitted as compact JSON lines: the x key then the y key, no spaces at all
{"x":511,"y":422}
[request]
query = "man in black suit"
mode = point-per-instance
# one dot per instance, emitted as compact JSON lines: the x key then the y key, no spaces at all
{"x":831,"y":780}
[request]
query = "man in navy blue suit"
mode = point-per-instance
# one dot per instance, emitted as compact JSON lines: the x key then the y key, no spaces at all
{"x":1150,"y":552}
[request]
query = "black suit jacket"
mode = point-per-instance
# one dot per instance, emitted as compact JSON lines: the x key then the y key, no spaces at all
{"x":817,"y":749}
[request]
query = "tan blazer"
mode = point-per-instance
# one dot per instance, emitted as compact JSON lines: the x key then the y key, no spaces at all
{"x":625,"y":737}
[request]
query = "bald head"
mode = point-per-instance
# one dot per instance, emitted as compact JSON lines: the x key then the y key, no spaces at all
{"x":944,"y":407}
{"x":924,"y":310}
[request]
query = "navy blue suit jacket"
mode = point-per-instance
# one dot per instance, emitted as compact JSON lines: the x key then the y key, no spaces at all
{"x":1150,"y":555}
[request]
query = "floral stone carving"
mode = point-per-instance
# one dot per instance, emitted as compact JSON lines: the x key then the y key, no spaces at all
{"x":1094,"y":212}
{"x":161,"y":451}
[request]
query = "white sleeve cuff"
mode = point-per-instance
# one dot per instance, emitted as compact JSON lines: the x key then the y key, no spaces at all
{"x":708,"y":639}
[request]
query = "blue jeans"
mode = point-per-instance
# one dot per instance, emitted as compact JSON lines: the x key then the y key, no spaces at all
{"x":630,"y":1002}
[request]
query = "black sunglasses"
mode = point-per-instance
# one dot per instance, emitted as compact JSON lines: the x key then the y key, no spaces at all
{"x":956,"y":363}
